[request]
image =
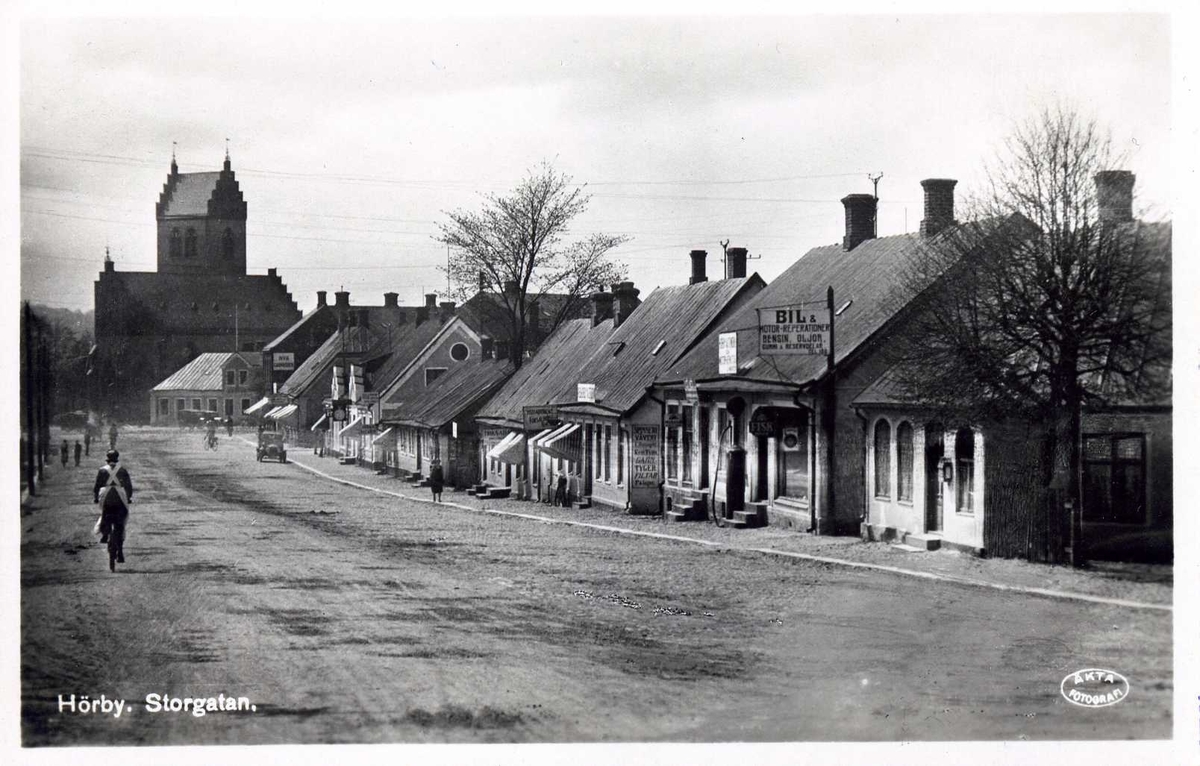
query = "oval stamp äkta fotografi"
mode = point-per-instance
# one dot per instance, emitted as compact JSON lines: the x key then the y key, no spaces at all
{"x":1094,"y":687}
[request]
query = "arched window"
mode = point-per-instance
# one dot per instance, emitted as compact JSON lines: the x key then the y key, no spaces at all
{"x":904,"y":460}
{"x":189,"y":244}
{"x":227,"y":243}
{"x":176,"y":247}
{"x":964,"y":470}
{"x":883,"y":459}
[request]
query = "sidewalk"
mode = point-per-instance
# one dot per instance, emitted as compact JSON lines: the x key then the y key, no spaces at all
{"x":1142,"y":583}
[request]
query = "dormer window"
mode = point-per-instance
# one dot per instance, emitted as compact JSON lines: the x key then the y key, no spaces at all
{"x":189,"y":244}
{"x":176,"y":244}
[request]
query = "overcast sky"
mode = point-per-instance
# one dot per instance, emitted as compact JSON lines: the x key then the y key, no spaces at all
{"x":350,"y":139}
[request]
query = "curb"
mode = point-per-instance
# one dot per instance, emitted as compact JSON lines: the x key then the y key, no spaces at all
{"x":953,"y":579}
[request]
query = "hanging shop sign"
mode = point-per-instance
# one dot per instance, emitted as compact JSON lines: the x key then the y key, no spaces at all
{"x":727,"y":353}
{"x":646,"y":455}
{"x":540,"y":417}
{"x":690,"y":391}
{"x":762,"y":422}
{"x":802,"y":329}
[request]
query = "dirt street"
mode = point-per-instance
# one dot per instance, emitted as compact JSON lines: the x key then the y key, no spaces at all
{"x":347,"y":616}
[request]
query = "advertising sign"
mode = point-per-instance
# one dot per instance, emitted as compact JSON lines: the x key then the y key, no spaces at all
{"x":586,"y":392}
{"x":727,"y":353}
{"x":645,"y":457}
{"x":801,"y":329}
{"x":283,"y":361}
{"x":690,"y":391}
{"x":541,"y":417}
{"x":762,"y":422}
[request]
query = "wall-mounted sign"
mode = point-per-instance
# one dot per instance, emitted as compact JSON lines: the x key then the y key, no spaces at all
{"x":454,"y":429}
{"x":727,"y":353}
{"x":791,"y":440}
{"x":282,"y":361}
{"x":762,"y":422}
{"x":540,"y":417}
{"x":690,"y":391}
{"x":802,"y":329}
{"x":645,"y":458}
{"x":586,"y":392}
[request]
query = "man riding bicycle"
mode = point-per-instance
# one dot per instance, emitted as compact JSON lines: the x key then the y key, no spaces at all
{"x":113,"y":491}
{"x":210,"y":435}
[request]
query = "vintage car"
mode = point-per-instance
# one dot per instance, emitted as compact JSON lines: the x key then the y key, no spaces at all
{"x":270,"y":446}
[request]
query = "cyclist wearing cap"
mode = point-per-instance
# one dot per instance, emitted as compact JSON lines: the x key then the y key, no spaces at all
{"x":114,"y":492}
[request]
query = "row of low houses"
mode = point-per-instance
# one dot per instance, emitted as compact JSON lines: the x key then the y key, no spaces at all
{"x":666,"y":403}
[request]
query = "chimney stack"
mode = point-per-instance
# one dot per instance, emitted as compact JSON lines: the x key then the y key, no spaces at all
{"x":482,"y":281}
{"x":860,"y":219}
{"x":321,"y":298}
{"x":109,"y":265}
{"x":735,"y":262}
{"x":626,"y":299}
{"x":391,"y":300}
{"x":602,"y":306}
{"x":430,"y":300}
{"x":271,"y":272}
{"x":447,"y":310}
{"x":939,"y":205}
{"x":698,"y":258}
{"x":342,"y":299}
{"x":1114,"y":196}
{"x":486,"y":347}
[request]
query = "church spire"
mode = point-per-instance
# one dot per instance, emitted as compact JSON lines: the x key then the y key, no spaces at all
{"x":174,"y":167}
{"x":228,"y":165}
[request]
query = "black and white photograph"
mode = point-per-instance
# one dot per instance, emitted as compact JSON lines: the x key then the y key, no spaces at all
{"x":739,"y":384}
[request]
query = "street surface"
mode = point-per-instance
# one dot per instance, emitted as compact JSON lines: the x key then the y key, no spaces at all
{"x":349,"y":616}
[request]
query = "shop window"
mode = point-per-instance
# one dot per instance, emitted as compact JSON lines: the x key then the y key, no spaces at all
{"x":904,"y":459}
{"x":212,"y":405}
{"x":672,"y":443}
{"x":622,"y":435}
{"x":195,"y":404}
{"x":608,"y":453}
{"x":176,"y":244}
{"x":793,"y":449}
{"x":964,"y":470}
{"x":883,"y":459}
{"x":189,"y":244}
{"x":1114,"y":478}
{"x":686,"y":429}
{"x":599,"y":467}
{"x":180,"y":405}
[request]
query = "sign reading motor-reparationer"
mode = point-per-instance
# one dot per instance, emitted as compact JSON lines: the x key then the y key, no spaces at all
{"x":802,"y":329}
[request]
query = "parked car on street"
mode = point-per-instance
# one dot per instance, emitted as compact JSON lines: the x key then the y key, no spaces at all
{"x":271,"y":447}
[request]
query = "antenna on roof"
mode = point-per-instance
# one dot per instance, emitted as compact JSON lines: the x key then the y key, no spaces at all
{"x":875,"y":216}
{"x":724,"y":255}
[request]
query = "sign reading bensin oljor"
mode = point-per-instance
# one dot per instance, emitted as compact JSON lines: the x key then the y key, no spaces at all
{"x":645,"y":457}
{"x":801,"y":329}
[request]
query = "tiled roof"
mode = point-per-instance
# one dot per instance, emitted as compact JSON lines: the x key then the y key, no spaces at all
{"x":300,"y":323}
{"x":262,"y":302}
{"x":354,"y":340}
{"x":654,"y":336}
{"x":452,"y":395}
{"x":191,"y":194}
{"x":204,"y":373}
{"x":486,"y":314}
{"x":407,"y":343}
{"x":540,"y":380}
{"x":862,"y":277}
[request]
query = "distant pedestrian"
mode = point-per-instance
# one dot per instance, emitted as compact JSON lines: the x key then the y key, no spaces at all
{"x":560,"y":492}
{"x":78,"y":452}
{"x":229,"y":427}
{"x":87,"y":440}
{"x":65,"y":453}
{"x":437,"y":479}
{"x":112,"y":435}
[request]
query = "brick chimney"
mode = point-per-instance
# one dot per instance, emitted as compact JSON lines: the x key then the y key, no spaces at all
{"x":486,"y":347}
{"x":735,"y":262}
{"x":1114,"y":196}
{"x":698,"y":257}
{"x":391,"y":300}
{"x":447,"y":310}
{"x":626,"y":300}
{"x":342,"y":308}
{"x":939,"y":205}
{"x":860,"y":219}
{"x":602,"y":306}
{"x":321,"y":298}
{"x":430,"y":300}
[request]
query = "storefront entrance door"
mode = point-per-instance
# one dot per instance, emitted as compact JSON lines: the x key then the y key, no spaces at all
{"x":934,"y":450}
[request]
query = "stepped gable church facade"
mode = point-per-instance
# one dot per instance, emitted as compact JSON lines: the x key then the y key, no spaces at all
{"x":200,"y":299}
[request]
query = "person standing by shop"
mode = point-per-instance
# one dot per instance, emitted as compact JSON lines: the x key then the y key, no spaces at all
{"x":78,"y":452}
{"x":87,"y":439}
{"x":437,"y":479}
{"x":66,"y":452}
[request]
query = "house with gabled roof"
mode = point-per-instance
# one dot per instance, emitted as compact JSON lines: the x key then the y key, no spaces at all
{"x":610,"y":422}
{"x":222,"y":382}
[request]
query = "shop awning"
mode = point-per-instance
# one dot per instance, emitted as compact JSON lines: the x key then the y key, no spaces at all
{"x":494,"y":452}
{"x":353,"y":428}
{"x":387,"y":434}
{"x":510,"y":450}
{"x":320,"y":422}
{"x":261,"y":403}
{"x":279,"y":413}
{"x":541,"y":439}
{"x":559,"y":444}
{"x":533,"y":440}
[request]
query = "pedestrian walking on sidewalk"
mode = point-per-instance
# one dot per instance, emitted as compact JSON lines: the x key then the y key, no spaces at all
{"x":87,"y":440}
{"x":78,"y":452}
{"x":437,"y":479}
{"x":65,"y":453}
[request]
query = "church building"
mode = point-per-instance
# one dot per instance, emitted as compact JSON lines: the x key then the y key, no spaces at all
{"x":200,"y":299}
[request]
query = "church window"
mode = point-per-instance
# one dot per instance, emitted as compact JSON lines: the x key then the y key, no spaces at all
{"x":227,"y":243}
{"x":189,"y":244}
{"x":176,"y":244}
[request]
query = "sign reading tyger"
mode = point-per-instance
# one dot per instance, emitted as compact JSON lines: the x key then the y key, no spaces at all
{"x":646,"y":455}
{"x":801,"y":329}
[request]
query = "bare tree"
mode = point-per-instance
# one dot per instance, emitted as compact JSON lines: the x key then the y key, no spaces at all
{"x":518,"y":249}
{"x":1038,"y":305}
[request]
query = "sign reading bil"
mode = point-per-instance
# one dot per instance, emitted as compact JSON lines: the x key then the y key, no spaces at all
{"x":802,"y":329}
{"x":1094,"y":687}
